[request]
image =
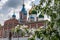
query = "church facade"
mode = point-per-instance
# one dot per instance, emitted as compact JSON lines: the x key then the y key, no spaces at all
{"x":33,"y":21}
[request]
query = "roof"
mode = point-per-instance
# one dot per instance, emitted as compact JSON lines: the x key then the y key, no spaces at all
{"x":31,"y":17}
{"x":24,"y":10}
{"x":11,"y":21}
{"x":33,"y":12}
{"x":13,"y":15}
{"x":41,"y":16}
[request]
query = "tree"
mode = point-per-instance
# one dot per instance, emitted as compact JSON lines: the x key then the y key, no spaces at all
{"x":20,"y":30}
{"x":0,"y":25}
{"x":51,"y":9}
{"x":52,"y":31}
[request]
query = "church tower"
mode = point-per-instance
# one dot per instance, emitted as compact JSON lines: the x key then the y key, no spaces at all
{"x":23,"y":14}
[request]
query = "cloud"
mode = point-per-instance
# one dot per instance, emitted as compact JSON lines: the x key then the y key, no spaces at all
{"x":13,"y":3}
{"x":10,"y":4}
{"x":7,"y":5}
{"x":2,"y":18}
{"x":5,"y":8}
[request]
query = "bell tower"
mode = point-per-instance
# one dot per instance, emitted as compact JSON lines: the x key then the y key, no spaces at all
{"x":23,"y":14}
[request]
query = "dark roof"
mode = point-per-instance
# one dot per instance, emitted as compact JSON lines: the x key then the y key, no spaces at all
{"x":24,"y":10}
{"x":41,"y":16}
{"x":33,"y":12}
{"x":13,"y":15}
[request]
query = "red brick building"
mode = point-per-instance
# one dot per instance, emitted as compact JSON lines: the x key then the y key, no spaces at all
{"x":32,"y":21}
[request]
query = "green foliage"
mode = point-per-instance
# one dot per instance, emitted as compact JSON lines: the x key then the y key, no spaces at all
{"x":50,"y":33}
{"x":0,"y":25}
{"x":31,"y":38}
{"x":37,"y":33}
{"x":41,"y":16}
{"x":58,"y":22}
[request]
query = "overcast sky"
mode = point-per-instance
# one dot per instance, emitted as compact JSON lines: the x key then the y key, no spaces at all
{"x":8,"y":6}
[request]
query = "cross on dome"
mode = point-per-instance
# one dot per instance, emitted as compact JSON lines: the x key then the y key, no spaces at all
{"x":23,"y":9}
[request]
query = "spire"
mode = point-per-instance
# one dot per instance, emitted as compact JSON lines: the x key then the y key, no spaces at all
{"x":23,"y":9}
{"x":23,"y":3}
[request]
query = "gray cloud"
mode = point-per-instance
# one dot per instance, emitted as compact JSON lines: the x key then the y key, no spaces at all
{"x":10,"y":4}
{"x":6,"y":8}
{"x":13,"y":3}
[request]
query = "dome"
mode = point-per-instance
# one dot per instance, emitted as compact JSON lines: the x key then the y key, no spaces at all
{"x":41,"y":16}
{"x":31,"y":17}
{"x":32,"y":12}
{"x":13,"y":16}
{"x":24,"y":10}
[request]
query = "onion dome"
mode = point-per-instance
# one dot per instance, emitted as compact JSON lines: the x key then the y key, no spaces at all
{"x":13,"y":16}
{"x":41,"y":16}
{"x":24,"y":10}
{"x":31,"y":17}
{"x":33,"y":12}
